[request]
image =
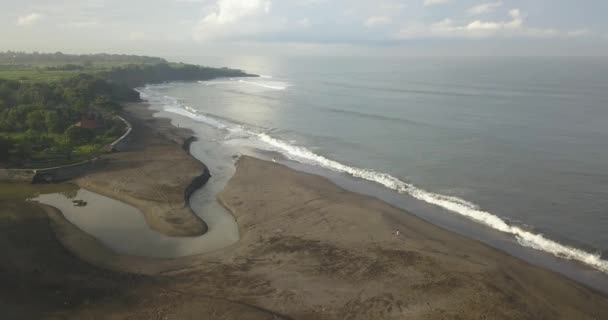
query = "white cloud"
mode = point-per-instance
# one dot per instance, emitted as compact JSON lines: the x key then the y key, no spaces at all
{"x":579,"y":32}
{"x":435,"y":2}
{"x":479,"y":28}
{"x":29,"y":19}
{"x":230,"y":11}
{"x":81,"y":24}
{"x":375,"y":21}
{"x":515,"y":27}
{"x":484,"y":8}
{"x":304,"y":23}
{"x":137,"y":36}
{"x":222,"y":19}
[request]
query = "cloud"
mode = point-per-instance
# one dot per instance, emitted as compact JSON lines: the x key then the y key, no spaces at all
{"x":375,"y":21}
{"x":479,"y":28}
{"x":515,"y":27}
{"x":435,"y":2}
{"x":579,"y":32}
{"x":484,"y":8}
{"x":304,"y":23}
{"x":137,"y":36}
{"x":81,"y":24}
{"x":222,"y":20}
{"x":29,"y":19}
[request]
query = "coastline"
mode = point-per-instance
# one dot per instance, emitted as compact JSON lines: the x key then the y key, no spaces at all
{"x":312,"y":250}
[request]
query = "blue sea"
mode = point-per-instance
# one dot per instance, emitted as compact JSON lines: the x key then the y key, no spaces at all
{"x":515,"y":146}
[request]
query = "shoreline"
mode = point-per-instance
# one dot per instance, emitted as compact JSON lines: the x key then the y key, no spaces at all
{"x":493,"y":228}
{"x":310,"y":249}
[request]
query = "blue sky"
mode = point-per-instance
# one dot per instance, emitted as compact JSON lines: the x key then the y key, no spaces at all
{"x":393,"y":27}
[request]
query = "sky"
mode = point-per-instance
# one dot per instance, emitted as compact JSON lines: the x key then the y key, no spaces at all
{"x":307,"y":27}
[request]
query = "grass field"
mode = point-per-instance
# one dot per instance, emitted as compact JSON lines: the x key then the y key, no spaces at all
{"x":37,"y":75}
{"x":39,"y":72}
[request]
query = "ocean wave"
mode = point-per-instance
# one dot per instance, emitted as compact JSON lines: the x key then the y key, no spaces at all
{"x":274,"y":87}
{"x":456,"y":205}
{"x":414,"y":91}
{"x":161,"y":86}
{"x":210,"y":83}
{"x":453,"y":204}
{"x":376,"y":117}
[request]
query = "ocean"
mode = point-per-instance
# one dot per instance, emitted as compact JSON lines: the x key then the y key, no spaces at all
{"x":516,"y":146}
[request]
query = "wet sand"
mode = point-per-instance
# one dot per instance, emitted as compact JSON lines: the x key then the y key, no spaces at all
{"x":328,"y":248}
{"x":308,"y":249}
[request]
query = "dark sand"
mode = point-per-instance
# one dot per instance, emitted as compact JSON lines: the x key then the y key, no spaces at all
{"x":308,"y":250}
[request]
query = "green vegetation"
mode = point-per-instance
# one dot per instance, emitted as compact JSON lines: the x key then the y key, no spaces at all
{"x":138,"y":75}
{"x":58,"y":58}
{"x":34,"y":75}
{"x":43,"y":108}
{"x":133,"y":71}
{"x":47,"y":123}
{"x":58,"y":109}
{"x":44,"y":67}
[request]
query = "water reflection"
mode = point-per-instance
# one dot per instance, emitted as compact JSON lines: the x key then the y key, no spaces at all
{"x":123,"y":229}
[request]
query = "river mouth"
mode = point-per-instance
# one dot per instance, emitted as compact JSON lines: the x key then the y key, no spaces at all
{"x":123,"y":229}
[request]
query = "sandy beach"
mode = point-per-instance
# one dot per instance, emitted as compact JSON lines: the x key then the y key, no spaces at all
{"x":308,"y":249}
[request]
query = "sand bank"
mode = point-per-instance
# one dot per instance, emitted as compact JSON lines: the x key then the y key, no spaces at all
{"x":154,"y":173}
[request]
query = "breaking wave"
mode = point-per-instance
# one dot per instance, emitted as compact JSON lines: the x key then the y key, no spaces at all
{"x":456,"y":205}
{"x":275,"y":87}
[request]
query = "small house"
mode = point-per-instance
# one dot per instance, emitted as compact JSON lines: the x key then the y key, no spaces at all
{"x":89,"y":124}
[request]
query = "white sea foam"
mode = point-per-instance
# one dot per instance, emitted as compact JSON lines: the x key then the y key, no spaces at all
{"x":452,"y":204}
{"x":210,"y":83}
{"x":265,"y":76}
{"x":457,"y":205}
{"x":274,"y":87}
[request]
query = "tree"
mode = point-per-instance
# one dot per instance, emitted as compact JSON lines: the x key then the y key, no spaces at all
{"x":53,"y":122}
{"x":104,"y":103}
{"x":5,"y":147}
{"x":79,"y":136}
{"x":16,"y":117}
{"x":36,"y":120}
{"x":4,"y":125}
{"x":23,"y":150}
{"x":64,"y":149}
